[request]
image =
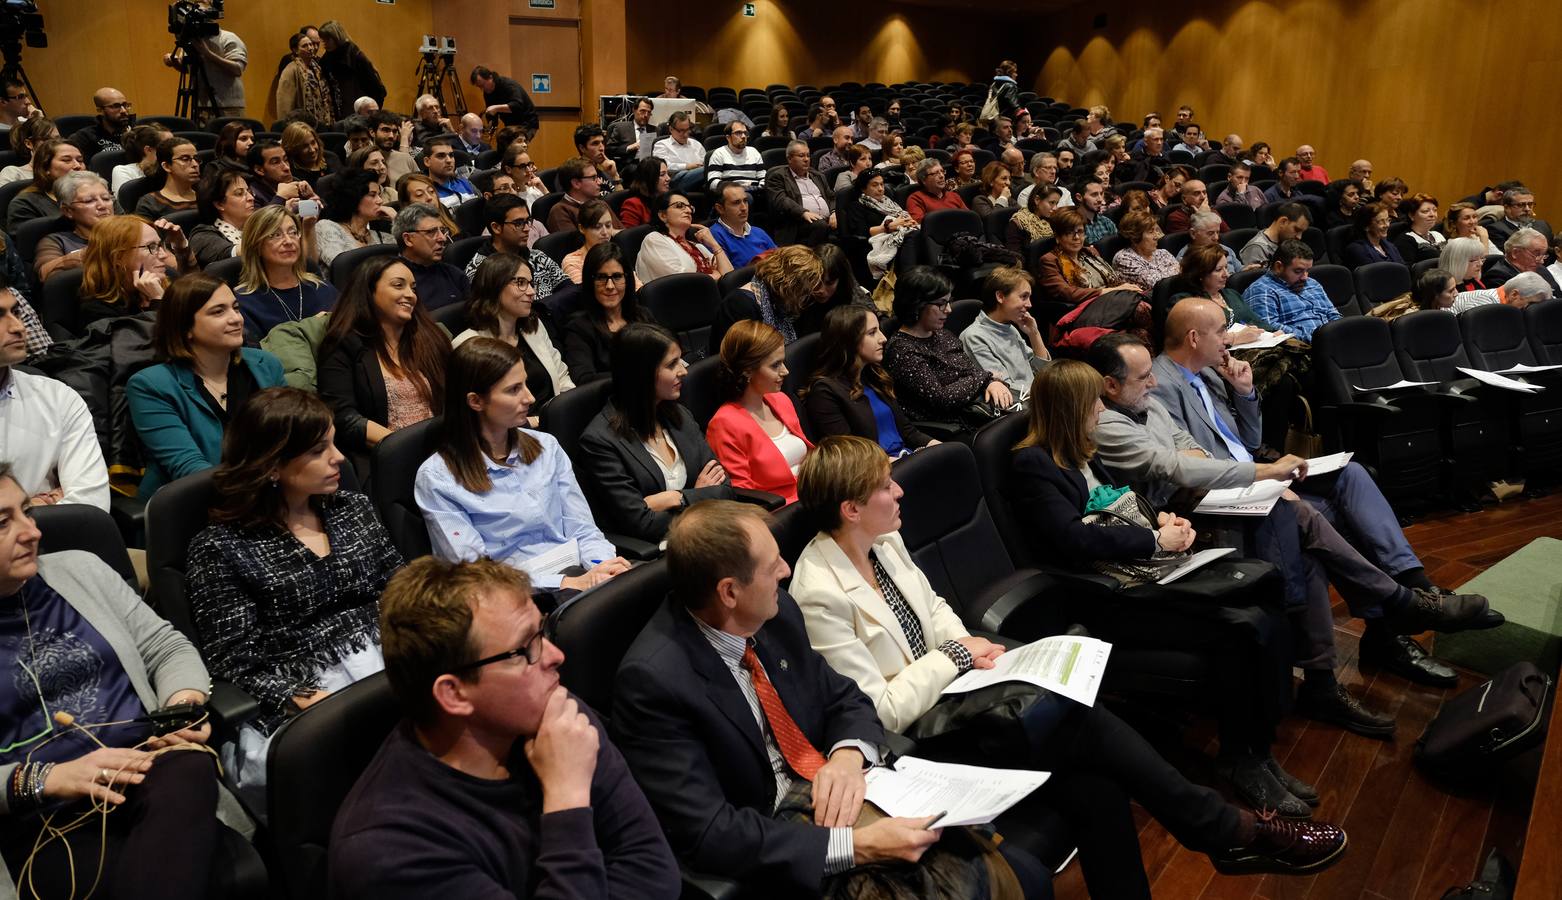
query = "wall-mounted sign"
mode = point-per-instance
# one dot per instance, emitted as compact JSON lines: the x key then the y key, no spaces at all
{"x":749,"y":10}
{"x":387,"y":2}
{"x":540,"y":4}
{"x":542,"y":83}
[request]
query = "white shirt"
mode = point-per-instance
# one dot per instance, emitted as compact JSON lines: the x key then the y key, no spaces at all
{"x":47,"y":434}
{"x":675,"y":474}
{"x":660,"y":255}
{"x":1023,"y":201}
{"x":119,"y":177}
{"x":540,"y":345}
{"x":687,"y":155}
{"x":1556,"y":271}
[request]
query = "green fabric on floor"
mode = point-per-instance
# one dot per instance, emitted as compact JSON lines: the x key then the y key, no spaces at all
{"x":1527,"y":588}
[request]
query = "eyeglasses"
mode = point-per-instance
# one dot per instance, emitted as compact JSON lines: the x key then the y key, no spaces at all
{"x":432,"y":232}
{"x":123,"y":104}
{"x":151,"y":249}
{"x":185,"y":158}
{"x":945,"y":304}
{"x":520,"y":223}
{"x":291,"y":234}
{"x":615,"y":278}
{"x":682,"y":130}
{"x":680,"y":204}
{"x":531,"y":651}
{"x":504,"y":188}
{"x":524,"y":284}
{"x":529,"y":167}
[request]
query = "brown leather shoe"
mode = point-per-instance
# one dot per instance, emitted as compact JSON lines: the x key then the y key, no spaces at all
{"x":1284,"y":847}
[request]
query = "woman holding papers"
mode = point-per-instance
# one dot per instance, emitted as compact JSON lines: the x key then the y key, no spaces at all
{"x":876,"y":619}
{"x":1243,"y":635}
{"x":495,"y":489}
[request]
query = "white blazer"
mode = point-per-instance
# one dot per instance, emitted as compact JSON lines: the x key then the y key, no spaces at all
{"x":857,"y":632}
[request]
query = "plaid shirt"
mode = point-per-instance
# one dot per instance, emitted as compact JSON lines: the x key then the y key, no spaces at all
{"x":1099,"y":228}
{"x":38,"y":339}
{"x":1298,"y":309}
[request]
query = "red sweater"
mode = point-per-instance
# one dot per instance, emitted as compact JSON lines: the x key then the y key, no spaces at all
{"x":921,"y":203}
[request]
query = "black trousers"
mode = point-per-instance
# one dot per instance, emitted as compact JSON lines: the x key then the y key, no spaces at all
{"x":1246,"y":641}
{"x":1099,"y":763}
{"x":158,"y":844}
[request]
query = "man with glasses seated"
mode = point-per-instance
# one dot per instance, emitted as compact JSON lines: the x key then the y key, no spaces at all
{"x":743,"y":241}
{"x":497,"y":782}
{"x":439,"y":157}
{"x":737,"y":162}
{"x":18,"y":104}
{"x":685,"y":158}
{"x":802,"y":205}
{"x":1518,"y":211}
{"x":1524,"y":251}
{"x":422,"y":241}
{"x":115,"y":116}
{"x":579,"y":178}
{"x":509,"y":222}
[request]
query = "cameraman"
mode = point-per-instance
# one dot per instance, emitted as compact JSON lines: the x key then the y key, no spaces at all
{"x":223,"y":56}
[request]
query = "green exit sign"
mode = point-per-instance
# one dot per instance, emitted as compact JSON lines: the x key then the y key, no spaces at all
{"x":749,"y":10}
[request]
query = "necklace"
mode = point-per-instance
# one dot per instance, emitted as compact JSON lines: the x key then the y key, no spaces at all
{"x":292,"y":317}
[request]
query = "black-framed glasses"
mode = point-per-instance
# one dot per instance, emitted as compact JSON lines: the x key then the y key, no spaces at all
{"x":531,"y":651}
{"x":520,"y":223}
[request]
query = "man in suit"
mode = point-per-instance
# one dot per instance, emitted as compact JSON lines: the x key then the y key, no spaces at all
{"x":1140,"y":443}
{"x":1518,"y":211}
{"x":633,"y":136}
{"x":1524,"y":251}
{"x":726,"y":715}
{"x":803,"y":205}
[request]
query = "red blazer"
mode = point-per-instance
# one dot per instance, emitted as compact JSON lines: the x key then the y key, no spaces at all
{"x":748,"y":454}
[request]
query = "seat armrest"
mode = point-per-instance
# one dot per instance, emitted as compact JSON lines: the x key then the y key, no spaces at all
{"x":770,"y":502}
{"x":230,"y":706}
{"x":1376,"y":407}
{"x":631,"y":548}
{"x":998,"y":608}
{"x":899,"y":744}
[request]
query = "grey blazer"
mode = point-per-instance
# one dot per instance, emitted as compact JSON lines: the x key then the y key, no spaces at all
{"x":1187,"y":410}
{"x":1146,"y":452}
{"x":158,"y":659}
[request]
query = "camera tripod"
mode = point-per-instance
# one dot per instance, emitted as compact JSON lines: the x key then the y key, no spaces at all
{"x":11,"y":49}
{"x":435,"y":70}
{"x":194,"y":100}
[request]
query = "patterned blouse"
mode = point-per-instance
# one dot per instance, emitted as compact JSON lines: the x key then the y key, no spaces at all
{"x":1135,"y":269}
{"x":934,"y":378}
{"x":271,"y":614}
{"x":405,"y":403}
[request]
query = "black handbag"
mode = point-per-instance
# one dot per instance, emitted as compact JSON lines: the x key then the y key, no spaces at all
{"x":1488,"y":723}
{"x":988,"y":726}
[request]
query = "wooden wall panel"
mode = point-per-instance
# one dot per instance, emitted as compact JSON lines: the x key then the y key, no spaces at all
{"x":811,"y":41}
{"x":1447,"y":94}
{"x":120,"y":44}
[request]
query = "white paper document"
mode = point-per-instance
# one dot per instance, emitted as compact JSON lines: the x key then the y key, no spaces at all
{"x":1521,"y":369}
{"x":966,"y":795}
{"x":1064,"y":664}
{"x":1395,"y":386}
{"x":552,"y":562}
{"x":1267,"y":339}
{"x":1197,"y":561}
{"x":1257,"y":499}
{"x":1333,"y":462}
{"x":1501,"y":381}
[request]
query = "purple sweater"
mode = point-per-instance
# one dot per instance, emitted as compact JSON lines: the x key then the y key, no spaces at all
{"x":413,"y":827}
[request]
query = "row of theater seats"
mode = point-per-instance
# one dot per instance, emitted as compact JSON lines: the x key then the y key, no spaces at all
{"x":956,"y":524}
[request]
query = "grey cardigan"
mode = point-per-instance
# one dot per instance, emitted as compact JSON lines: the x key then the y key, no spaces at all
{"x":159,"y":660}
{"x":999,"y":347}
{"x":1148,"y":455}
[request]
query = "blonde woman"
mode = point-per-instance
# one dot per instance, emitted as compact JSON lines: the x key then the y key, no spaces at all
{"x":275,"y":286}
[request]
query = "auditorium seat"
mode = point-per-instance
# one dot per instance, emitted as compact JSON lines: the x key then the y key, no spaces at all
{"x":629,"y":240}
{"x":686,"y":304}
{"x":1394,"y":433}
{"x":1495,"y":339}
{"x":1338,"y":283}
{"x":701,"y":394}
{"x":346,"y":262}
{"x":395,"y":466}
{"x":29,"y":233}
{"x":544,"y":204}
{"x":1475,"y":430}
{"x":81,"y":526}
{"x":559,"y":244}
{"x":1380,"y":282}
{"x":460,"y":251}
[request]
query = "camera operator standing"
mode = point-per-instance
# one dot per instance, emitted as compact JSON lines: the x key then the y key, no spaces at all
{"x":222,"y":56}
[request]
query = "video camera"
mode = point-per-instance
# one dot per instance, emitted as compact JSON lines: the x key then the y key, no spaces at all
{"x":189,"y":21}
{"x":20,"y":19}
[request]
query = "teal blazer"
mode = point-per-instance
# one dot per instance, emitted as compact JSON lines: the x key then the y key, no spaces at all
{"x":179,"y":432}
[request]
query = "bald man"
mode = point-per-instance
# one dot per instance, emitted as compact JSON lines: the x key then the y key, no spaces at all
{"x":1310,"y":172}
{"x":1361,"y":170}
{"x":115,"y":116}
{"x":471,"y":134}
{"x":1195,"y":199}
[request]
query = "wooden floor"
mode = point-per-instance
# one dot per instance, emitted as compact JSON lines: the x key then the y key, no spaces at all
{"x":1410,"y":839}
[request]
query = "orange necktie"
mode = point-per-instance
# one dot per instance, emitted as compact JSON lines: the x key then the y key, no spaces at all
{"x":799,"y":754}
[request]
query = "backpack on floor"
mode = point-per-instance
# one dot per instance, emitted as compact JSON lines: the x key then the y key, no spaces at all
{"x":1488,"y":723}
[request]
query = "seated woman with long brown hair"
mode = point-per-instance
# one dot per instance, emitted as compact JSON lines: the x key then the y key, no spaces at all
{"x":382,"y":363}
{"x":126,"y":267}
{"x":37,"y":201}
{"x":849,"y":391}
{"x":415,"y":188}
{"x":504,"y":305}
{"x":205,"y":376}
{"x":284,"y":584}
{"x":497,"y":489}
